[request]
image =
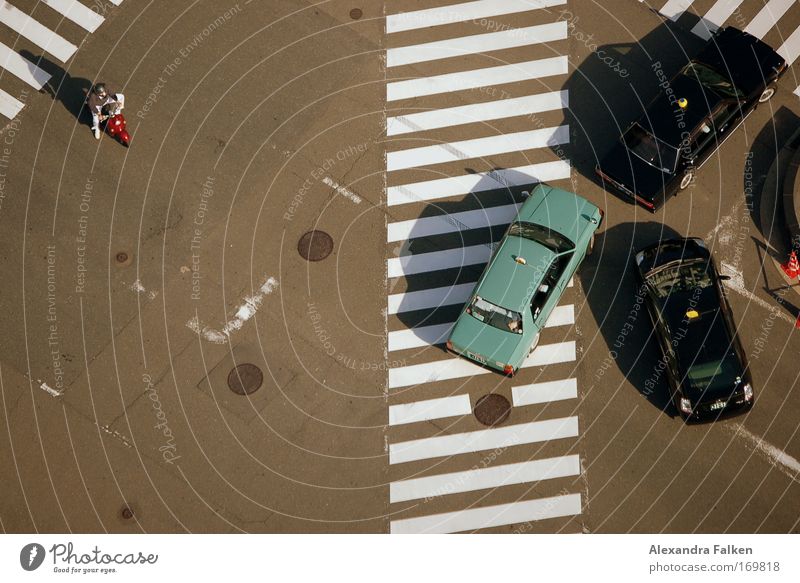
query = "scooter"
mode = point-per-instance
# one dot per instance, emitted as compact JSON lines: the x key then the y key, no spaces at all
{"x":115,"y":125}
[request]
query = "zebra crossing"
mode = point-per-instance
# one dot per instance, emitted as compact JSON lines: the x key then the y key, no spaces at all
{"x":776,"y":22}
{"x":475,"y":117}
{"x":15,"y":25}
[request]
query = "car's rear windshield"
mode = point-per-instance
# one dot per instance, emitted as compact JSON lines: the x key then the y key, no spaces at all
{"x":649,"y":148}
{"x":496,"y":316}
{"x":554,"y":241}
{"x":711,"y":79}
{"x":714,"y":374}
{"x":680,"y":277}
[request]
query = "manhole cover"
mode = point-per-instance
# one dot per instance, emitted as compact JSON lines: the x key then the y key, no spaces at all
{"x":122,"y":258}
{"x":315,"y":245}
{"x":127,"y":512}
{"x":245,"y":379}
{"x":356,"y":13}
{"x":492,"y":409}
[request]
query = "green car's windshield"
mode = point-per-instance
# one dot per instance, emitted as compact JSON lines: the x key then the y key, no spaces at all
{"x":556,"y":242}
{"x":493,"y":315}
{"x":711,"y":79}
{"x":649,"y":148}
{"x":715,"y":374}
{"x":680,"y":277}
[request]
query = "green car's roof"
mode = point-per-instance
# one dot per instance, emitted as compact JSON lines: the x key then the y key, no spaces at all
{"x":511,"y":285}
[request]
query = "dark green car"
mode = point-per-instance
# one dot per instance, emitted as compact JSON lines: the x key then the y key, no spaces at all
{"x":552,"y":233}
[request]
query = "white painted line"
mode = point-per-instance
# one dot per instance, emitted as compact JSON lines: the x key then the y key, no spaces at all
{"x":246,"y":311}
{"x":477,"y":112}
{"x":480,"y":9}
{"x":21,"y":67}
{"x":484,"y":478}
{"x":50,"y":390}
{"x":76,"y":12}
{"x":715,"y":18}
{"x":768,"y":17}
{"x":797,"y":91}
{"x":489,"y":76}
{"x":476,"y":43}
{"x":9,"y":106}
{"x":478,"y":182}
{"x":778,"y":458}
{"x":137,"y":287}
{"x":456,"y":368}
{"x":437,"y":333}
{"x":482,"y":440}
{"x":430,"y":409}
{"x":675,"y":8}
{"x":538,"y":393}
{"x":430,"y":298}
{"x":40,"y":35}
{"x":436,"y":260}
{"x":452,"y":222}
{"x":790,"y":49}
{"x":477,"y":148}
{"x":345,"y":192}
{"x":736,"y":283}
{"x":491,"y":516}
{"x":118,"y":2}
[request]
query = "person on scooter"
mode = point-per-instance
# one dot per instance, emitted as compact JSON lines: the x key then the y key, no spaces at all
{"x":103,"y":103}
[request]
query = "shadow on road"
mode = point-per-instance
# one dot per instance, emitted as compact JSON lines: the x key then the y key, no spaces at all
{"x":70,"y":91}
{"x":621,"y":316}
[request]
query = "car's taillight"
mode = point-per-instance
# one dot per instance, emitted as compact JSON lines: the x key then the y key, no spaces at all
{"x":508,"y":369}
{"x":647,"y":204}
{"x":449,"y":344}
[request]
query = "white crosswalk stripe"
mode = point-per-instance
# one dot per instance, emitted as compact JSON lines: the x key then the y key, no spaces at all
{"x":417,"y":252}
{"x":35,"y":32}
{"x":486,"y":77}
{"x":479,"y":182}
{"x":675,"y":8}
{"x":478,"y":43}
{"x":538,"y":393}
{"x":476,"y":148}
{"x":491,"y":516}
{"x":458,"y":368}
{"x":715,"y":17}
{"x":483,"y":478}
{"x":21,"y":67}
{"x":438,"y":333}
{"x":462,"y":12}
{"x":452,"y":223}
{"x":430,"y":409}
{"x":76,"y":12}
{"x":766,"y":19}
{"x":27,"y":27}
{"x":483,"y":440}
{"x":477,"y":112}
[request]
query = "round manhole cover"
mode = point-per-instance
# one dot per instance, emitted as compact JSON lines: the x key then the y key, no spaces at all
{"x":315,"y":245}
{"x":356,"y":13}
{"x":127,"y":512}
{"x":492,"y":409}
{"x":245,"y":379}
{"x":122,"y":258}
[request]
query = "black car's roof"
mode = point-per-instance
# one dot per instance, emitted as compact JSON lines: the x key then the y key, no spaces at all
{"x":667,"y":121}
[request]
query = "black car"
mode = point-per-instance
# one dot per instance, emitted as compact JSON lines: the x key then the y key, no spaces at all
{"x":704,"y":362}
{"x":686,"y":123}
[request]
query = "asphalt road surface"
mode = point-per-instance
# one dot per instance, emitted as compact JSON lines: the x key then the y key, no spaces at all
{"x":309,"y":195}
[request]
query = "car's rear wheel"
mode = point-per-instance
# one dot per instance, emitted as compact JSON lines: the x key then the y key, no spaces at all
{"x":767,"y":94}
{"x":687,"y":180}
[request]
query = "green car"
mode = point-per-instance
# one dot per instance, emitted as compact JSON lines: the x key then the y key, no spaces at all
{"x":540,"y":252}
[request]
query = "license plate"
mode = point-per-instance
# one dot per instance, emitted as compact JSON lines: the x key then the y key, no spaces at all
{"x":718,"y":405}
{"x":477,"y":357}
